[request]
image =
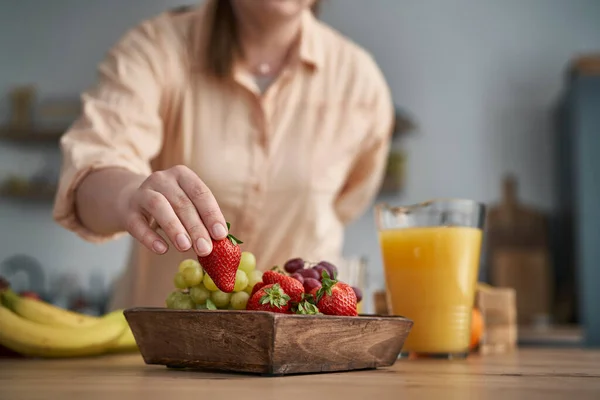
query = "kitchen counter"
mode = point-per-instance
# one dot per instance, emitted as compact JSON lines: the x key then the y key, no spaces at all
{"x":526,"y":374}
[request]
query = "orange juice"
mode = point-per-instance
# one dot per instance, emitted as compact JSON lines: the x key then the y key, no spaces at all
{"x":431,"y":273}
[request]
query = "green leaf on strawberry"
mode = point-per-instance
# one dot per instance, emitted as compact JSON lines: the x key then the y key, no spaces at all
{"x":232,"y":238}
{"x":274,"y":297}
{"x":326,"y":285}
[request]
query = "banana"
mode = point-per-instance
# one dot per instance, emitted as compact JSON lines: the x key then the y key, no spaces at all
{"x":126,"y":342}
{"x":37,"y":340}
{"x":45,"y":313}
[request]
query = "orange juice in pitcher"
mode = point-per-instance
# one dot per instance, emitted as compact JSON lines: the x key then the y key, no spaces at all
{"x":431,"y":258}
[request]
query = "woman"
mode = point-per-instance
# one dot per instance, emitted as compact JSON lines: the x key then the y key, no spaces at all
{"x":250,"y":112}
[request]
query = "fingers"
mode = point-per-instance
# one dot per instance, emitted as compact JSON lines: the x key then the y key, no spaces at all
{"x":183,"y":206}
{"x":205,"y":204}
{"x":189,"y":217}
{"x":138,"y":227}
{"x":157,"y":205}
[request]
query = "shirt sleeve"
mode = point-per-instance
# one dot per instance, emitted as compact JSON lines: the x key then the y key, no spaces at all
{"x":367,"y":172}
{"x":120,"y":124}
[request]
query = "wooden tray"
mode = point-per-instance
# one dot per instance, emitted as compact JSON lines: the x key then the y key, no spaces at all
{"x":266,"y":343}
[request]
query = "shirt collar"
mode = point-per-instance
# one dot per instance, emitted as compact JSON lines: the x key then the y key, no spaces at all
{"x":310,"y":48}
{"x":311,"y":45}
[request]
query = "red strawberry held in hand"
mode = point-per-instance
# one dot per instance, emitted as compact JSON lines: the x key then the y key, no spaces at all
{"x":223,"y":261}
{"x":335,"y":298}
{"x":269,"y":298}
{"x":290,"y":286}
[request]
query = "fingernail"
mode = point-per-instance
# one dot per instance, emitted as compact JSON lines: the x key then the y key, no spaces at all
{"x":183,"y":241}
{"x":219,"y":231}
{"x":203,"y":246}
{"x":159,"y":247}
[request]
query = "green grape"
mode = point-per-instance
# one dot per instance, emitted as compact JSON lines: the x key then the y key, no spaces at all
{"x":184,"y":302}
{"x":221,"y":299}
{"x":239,"y":300}
{"x":179,"y":281}
{"x":209,"y":283}
{"x":192,"y":275}
{"x":171,"y":298}
{"x":188,"y":263}
{"x":199,"y":294}
{"x":248,"y":289}
{"x":254,"y":277}
{"x":181,"y":301}
{"x":241,"y":281}
{"x":247,"y":262}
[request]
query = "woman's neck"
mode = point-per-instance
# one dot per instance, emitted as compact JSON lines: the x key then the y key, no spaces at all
{"x":266,"y":46}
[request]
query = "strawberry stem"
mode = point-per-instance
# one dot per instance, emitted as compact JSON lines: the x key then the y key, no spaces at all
{"x":274,"y":296}
{"x":232,"y":238}
{"x":305,"y":307}
{"x":326,"y":284}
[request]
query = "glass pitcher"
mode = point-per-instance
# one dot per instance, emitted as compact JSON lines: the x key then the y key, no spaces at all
{"x":431,"y":254}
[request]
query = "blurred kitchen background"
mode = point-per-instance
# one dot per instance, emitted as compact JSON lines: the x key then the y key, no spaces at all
{"x":498,"y":101}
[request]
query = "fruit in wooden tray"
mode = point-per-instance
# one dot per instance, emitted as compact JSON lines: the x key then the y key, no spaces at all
{"x":310,"y":284}
{"x":289,"y":285}
{"x":254,"y":277}
{"x":269,"y":298}
{"x":358,"y":294}
{"x":301,"y":287}
{"x":293,"y":265}
{"x":247,"y":262}
{"x":311,"y":288}
{"x":241,"y":281}
{"x":199,"y":294}
{"x":239,"y":300}
{"x":335,"y":298}
{"x":309,"y":273}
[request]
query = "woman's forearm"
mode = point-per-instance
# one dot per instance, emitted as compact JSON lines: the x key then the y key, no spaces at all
{"x":101,"y":196}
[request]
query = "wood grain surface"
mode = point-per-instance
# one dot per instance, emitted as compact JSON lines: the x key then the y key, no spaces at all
{"x":525,"y":374}
{"x":266,"y":343}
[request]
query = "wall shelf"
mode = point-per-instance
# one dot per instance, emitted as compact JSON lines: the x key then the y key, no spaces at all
{"x":50,"y":136}
{"x":30,"y":193}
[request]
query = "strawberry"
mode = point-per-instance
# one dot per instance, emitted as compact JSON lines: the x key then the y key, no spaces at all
{"x":223,"y":261}
{"x":256,"y":287}
{"x":269,"y":298}
{"x":335,"y":298}
{"x":291,"y":286}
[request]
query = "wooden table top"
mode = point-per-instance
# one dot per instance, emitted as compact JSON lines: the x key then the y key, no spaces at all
{"x":526,"y":374}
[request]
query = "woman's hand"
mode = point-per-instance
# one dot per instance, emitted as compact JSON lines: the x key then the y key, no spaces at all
{"x":182,"y":206}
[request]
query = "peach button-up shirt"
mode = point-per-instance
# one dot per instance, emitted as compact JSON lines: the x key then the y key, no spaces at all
{"x":289,"y":167}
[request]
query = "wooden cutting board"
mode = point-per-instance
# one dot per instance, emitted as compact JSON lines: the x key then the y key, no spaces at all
{"x":518,"y":255}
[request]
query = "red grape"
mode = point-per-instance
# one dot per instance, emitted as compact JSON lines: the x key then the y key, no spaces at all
{"x":309,"y":273}
{"x":330,"y":268}
{"x":358,"y":293}
{"x":293,"y":265}
{"x":310,"y":284}
{"x":298,"y":277}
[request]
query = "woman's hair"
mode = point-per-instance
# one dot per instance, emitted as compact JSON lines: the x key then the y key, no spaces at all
{"x":223,"y":41}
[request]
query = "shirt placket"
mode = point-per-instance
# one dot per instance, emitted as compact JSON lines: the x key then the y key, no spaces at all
{"x":256,"y":193}
{"x":261,"y":121}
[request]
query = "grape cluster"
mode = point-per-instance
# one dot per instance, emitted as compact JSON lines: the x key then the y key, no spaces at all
{"x":310,"y":275}
{"x":196,"y":290}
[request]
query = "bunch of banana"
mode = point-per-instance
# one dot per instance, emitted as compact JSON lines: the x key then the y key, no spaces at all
{"x":35,"y":328}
